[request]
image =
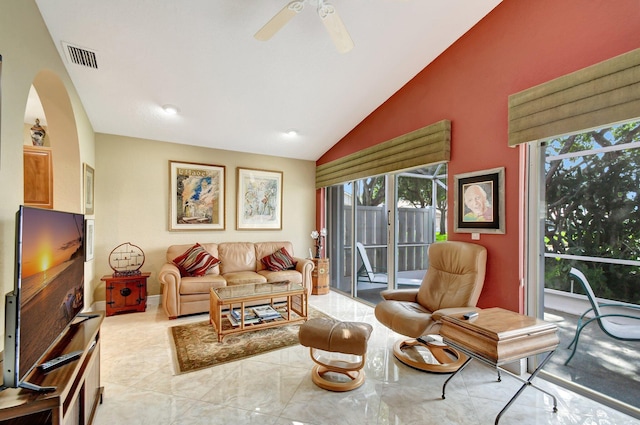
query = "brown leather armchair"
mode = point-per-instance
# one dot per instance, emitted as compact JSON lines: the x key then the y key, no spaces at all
{"x":452,"y":284}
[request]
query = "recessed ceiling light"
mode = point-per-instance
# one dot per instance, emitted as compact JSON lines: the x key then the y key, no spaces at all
{"x":291,"y":132}
{"x":171,"y":109}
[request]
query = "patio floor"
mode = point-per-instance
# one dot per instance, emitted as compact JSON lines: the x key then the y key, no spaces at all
{"x":601,"y":363}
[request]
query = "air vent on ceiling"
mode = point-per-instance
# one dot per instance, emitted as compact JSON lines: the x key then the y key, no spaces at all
{"x":80,"y":56}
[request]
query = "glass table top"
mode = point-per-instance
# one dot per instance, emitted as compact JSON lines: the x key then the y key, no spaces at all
{"x":227,"y":293}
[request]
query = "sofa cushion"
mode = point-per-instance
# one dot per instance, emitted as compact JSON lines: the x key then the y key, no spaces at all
{"x":237,"y":257}
{"x":292,"y":276}
{"x":201,"y":284}
{"x":242,"y":278}
{"x":195,"y":261}
{"x":278,"y":261}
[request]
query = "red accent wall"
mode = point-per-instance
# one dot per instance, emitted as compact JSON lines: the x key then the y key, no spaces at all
{"x":520,"y":44}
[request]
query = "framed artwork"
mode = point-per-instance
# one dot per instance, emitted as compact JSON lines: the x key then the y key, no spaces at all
{"x":89,"y":175}
{"x":259,"y":198}
{"x":197,"y":196}
{"x":0,"y":99}
{"x":479,"y":202}
{"x":89,"y":231}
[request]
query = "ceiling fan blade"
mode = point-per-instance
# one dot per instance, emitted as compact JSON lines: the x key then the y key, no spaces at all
{"x":335,"y":27}
{"x":279,"y":20}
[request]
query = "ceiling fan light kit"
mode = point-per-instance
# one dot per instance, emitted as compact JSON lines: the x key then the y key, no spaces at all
{"x":327,"y":13}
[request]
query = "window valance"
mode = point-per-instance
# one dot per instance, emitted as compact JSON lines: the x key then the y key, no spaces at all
{"x":600,"y":94}
{"x":427,"y":145}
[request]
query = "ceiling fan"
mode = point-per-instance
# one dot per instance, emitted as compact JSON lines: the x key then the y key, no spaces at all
{"x":327,"y":14}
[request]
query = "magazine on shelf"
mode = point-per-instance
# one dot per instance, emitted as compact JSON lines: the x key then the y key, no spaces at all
{"x":249,"y":316}
{"x":266,"y":312}
{"x":236,"y":322}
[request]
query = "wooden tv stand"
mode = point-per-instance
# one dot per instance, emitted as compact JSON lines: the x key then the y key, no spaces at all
{"x":77,"y":384}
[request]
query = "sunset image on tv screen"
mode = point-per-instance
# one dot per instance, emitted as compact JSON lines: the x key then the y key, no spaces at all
{"x":50,"y":243}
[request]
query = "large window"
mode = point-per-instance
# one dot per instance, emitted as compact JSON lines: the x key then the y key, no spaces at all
{"x":592,"y":223}
{"x":593,"y":212}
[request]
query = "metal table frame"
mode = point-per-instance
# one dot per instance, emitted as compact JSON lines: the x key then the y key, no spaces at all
{"x":526,"y":382}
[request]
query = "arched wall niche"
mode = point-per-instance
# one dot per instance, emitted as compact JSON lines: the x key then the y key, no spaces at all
{"x":63,"y":138}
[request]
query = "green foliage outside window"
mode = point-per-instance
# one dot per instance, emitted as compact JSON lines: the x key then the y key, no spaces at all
{"x":593,"y":210}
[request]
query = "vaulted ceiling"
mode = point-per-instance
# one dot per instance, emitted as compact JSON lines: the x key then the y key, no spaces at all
{"x":238,"y":93}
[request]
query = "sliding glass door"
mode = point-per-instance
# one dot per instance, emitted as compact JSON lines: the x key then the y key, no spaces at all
{"x":357,"y":218}
{"x":371,"y":238}
{"x":421,"y":217}
{"x":589,"y":186}
{"x":339,"y":236}
{"x":380,"y":229}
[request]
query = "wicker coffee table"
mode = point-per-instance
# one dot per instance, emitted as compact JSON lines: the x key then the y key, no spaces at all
{"x":224,"y":300}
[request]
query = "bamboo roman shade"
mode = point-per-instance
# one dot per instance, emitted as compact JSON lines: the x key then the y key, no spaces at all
{"x":427,"y":145}
{"x":598,"y":95}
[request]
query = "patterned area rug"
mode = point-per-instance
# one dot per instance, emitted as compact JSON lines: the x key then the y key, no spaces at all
{"x":196,"y":345}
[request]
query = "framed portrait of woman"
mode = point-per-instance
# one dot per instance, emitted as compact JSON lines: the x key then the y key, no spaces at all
{"x":479,"y":202}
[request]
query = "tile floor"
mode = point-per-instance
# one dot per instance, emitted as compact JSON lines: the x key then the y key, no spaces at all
{"x":140,"y":386}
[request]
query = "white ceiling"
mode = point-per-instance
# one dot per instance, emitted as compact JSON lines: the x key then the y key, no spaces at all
{"x":235,"y":92}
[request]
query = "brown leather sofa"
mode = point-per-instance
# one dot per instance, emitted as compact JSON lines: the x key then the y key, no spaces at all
{"x":240,"y":264}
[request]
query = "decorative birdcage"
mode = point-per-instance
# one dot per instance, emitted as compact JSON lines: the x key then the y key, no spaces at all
{"x":126,"y":260}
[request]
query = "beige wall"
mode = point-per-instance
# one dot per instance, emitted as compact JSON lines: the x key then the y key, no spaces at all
{"x":28,"y":55}
{"x":132,"y":201}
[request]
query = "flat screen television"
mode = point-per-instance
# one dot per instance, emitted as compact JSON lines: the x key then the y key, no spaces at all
{"x":49,"y":288}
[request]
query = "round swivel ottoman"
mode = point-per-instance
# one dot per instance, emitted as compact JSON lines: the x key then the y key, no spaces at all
{"x":334,"y":336}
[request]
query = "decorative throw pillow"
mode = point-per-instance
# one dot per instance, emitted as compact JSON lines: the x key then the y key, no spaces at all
{"x":195,"y":261}
{"x":279,"y":260}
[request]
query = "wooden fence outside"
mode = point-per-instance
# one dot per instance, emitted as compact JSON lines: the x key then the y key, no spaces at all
{"x":416,"y":231}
